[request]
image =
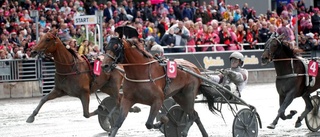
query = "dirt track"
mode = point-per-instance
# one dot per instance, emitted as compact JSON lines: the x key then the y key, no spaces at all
{"x":63,"y":118}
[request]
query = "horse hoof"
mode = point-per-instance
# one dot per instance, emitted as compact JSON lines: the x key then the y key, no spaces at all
{"x":183,"y":134}
{"x":293,"y":112}
{"x":30,"y":119}
{"x":298,"y":125}
{"x":164,"y":119}
{"x":271,"y":126}
{"x":135,"y":109}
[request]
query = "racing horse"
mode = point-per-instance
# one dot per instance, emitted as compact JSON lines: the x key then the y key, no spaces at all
{"x":292,"y":77}
{"x":73,"y":75}
{"x":146,"y":83}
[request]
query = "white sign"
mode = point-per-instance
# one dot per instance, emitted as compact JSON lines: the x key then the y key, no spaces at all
{"x":85,"y":20}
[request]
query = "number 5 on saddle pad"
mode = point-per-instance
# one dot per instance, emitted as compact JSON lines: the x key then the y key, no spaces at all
{"x":97,"y":67}
{"x":171,"y":69}
{"x":313,"y":68}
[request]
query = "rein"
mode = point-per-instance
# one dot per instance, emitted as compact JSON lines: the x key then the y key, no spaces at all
{"x":143,"y":80}
{"x":150,"y":79}
{"x":74,"y":62}
{"x":293,"y":74}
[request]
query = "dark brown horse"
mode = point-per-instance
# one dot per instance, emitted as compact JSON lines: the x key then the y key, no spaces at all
{"x":146,"y":83}
{"x":291,"y":77}
{"x":73,"y":75}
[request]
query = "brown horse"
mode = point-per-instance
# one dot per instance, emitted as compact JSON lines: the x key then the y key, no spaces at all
{"x":146,"y":83}
{"x":73,"y":75}
{"x":291,"y":77}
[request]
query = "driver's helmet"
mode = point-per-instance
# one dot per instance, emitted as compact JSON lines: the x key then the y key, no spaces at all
{"x":237,"y":55}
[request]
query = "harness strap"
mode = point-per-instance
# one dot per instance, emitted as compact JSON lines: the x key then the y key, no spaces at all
{"x":143,"y":80}
{"x":291,"y":75}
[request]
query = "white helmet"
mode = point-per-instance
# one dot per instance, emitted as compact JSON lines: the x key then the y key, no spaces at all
{"x":237,"y":55}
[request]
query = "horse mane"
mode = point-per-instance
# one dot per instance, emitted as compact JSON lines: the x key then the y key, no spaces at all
{"x":291,"y":50}
{"x":138,"y":46}
{"x":71,"y":51}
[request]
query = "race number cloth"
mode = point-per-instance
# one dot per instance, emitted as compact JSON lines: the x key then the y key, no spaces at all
{"x":313,"y":68}
{"x":97,"y":67}
{"x":172,"y":69}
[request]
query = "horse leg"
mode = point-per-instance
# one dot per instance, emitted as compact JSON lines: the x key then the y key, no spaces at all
{"x":124,"y":109}
{"x":284,"y":103}
{"x":200,"y":126}
{"x":154,"y":110}
{"x":85,"y":99}
{"x":52,"y":95}
{"x":188,"y":107}
{"x":308,"y":108}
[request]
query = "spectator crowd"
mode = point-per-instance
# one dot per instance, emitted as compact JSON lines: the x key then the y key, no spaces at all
{"x":169,"y":24}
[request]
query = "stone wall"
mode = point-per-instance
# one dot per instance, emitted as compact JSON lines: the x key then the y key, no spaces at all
{"x":20,"y":89}
{"x":32,"y":88}
{"x":262,"y":76}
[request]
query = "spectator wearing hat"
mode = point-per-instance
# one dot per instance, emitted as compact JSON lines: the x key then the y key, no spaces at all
{"x":154,"y":17}
{"x":153,"y":46}
{"x":13,"y":37}
{"x":171,"y":14}
{"x":216,"y":15}
{"x":79,"y":12}
{"x":286,"y":31}
{"x":315,"y":19}
{"x":116,"y":17}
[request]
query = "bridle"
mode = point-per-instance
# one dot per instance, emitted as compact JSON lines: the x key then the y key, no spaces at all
{"x":271,"y":55}
{"x":119,"y":56}
{"x":118,"y":52}
{"x":277,"y":51}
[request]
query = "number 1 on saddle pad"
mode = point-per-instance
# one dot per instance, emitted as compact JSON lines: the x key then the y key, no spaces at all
{"x":97,"y":67}
{"x":313,"y":68}
{"x":172,"y":69}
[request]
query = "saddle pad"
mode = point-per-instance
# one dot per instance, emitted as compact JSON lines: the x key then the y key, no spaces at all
{"x":185,"y":63}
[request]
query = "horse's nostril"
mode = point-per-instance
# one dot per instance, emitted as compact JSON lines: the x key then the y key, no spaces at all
{"x":106,"y":66}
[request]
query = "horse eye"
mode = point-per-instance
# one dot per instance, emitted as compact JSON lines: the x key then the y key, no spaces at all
{"x":47,"y":39}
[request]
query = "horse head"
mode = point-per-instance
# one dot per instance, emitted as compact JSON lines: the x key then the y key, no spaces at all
{"x":46,"y":45}
{"x":114,"y":53}
{"x":124,"y":51}
{"x":272,"y":48}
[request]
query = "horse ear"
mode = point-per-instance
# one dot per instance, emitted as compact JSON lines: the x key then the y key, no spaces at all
{"x":281,"y":37}
{"x":54,"y":32}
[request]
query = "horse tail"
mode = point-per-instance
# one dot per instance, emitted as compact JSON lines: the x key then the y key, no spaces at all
{"x":209,"y":94}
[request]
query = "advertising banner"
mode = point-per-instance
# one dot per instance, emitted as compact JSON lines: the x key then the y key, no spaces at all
{"x":220,"y":60}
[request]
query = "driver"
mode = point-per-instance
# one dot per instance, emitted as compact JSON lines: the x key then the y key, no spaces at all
{"x":235,"y":75}
{"x":153,"y":47}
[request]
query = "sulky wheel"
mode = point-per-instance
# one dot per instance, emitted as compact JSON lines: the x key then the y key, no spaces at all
{"x":177,"y":122}
{"x":104,"y":109}
{"x":313,"y":117}
{"x":245,"y":124}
